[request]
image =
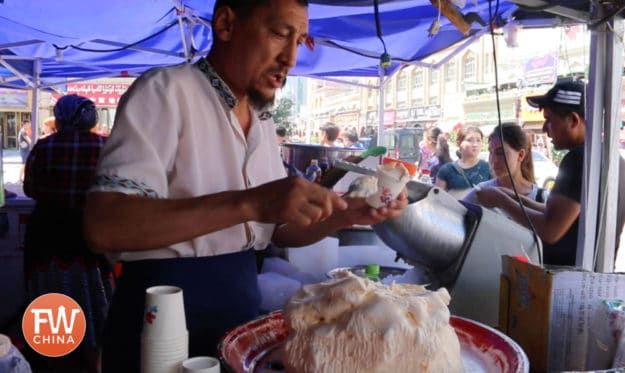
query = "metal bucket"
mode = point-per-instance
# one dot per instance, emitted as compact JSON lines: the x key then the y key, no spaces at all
{"x":431,"y":231}
{"x":300,"y":155}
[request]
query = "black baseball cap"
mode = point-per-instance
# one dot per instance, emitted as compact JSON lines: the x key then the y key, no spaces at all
{"x":568,"y":94}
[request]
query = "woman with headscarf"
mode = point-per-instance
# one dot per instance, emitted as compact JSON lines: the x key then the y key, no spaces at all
{"x":59,"y":170}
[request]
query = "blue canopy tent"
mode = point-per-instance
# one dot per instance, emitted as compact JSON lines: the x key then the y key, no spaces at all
{"x":80,"y":39}
{"x":48,"y":44}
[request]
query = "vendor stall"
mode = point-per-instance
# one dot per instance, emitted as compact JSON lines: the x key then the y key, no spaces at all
{"x":345,"y":41}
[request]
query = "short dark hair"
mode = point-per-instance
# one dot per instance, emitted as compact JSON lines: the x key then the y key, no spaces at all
{"x":331,"y":130}
{"x":244,"y":8}
{"x":281,"y":131}
{"x":352,"y":136}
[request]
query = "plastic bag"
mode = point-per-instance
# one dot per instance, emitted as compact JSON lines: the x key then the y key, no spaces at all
{"x":606,"y":347}
{"x":616,"y":317}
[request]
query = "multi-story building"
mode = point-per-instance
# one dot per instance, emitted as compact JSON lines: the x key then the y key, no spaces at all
{"x":460,"y":90}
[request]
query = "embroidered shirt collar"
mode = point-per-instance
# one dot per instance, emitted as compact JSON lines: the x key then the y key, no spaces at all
{"x":223,"y":89}
{"x":217,"y":83}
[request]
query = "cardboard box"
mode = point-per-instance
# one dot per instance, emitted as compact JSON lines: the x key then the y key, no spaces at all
{"x":549,"y":312}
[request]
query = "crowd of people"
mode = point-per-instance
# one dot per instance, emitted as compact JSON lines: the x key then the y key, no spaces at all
{"x":330,"y":135}
{"x":509,"y":172}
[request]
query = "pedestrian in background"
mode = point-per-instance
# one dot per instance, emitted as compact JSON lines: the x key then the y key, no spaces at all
{"x":280,"y":134}
{"x":352,"y":141}
{"x":59,"y":170}
{"x":517,"y":149}
{"x":330,"y":135}
{"x":24,"y":141}
{"x":557,"y":221}
{"x":48,"y":127}
{"x":469,"y":170}
{"x":441,"y":157}
{"x":427,"y":147}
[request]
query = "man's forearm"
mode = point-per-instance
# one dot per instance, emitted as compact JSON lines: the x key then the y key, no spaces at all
{"x":118,"y":222}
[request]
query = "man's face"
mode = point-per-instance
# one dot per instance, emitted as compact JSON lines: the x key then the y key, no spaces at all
{"x":557,"y":128}
{"x":263,"y":49}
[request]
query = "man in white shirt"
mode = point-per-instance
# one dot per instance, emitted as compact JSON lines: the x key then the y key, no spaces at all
{"x":191,"y":181}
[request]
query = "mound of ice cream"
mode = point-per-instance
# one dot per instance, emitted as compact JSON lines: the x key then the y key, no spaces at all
{"x":351,"y":324}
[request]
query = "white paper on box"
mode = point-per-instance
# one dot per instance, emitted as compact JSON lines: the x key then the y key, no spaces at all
{"x":575,"y":298}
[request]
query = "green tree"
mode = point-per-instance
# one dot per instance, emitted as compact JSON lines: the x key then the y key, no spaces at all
{"x":282,"y":113}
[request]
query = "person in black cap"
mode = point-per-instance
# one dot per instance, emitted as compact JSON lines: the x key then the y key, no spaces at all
{"x":557,"y":221}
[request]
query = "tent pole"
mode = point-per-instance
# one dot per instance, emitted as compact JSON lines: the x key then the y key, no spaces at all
{"x":34,"y":115}
{"x":183,"y":36}
{"x":608,"y":202}
{"x":381,"y":106}
{"x":590,"y":183}
{"x":597,"y":224}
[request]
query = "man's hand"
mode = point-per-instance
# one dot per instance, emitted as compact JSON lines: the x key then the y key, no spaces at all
{"x":359,"y":211}
{"x":292,"y":200}
{"x":354,"y":211}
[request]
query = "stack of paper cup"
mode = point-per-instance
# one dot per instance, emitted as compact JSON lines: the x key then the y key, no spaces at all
{"x":165,"y":339}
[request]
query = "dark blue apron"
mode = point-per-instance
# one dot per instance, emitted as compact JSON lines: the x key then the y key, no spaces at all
{"x":220,"y":292}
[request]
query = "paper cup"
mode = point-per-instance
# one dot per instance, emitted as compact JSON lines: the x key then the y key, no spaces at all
{"x":391,"y":181}
{"x":163,"y":316}
{"x":164,"y":355}
{"x":201,"y":364}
